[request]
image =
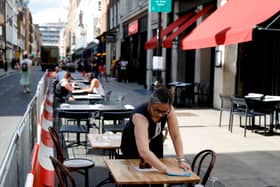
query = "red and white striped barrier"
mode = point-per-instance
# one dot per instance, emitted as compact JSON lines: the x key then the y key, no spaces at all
{"x":43,"y":169}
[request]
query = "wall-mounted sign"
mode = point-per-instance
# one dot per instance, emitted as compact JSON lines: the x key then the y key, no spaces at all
{"x":160,"y":5}
{"x":133,"y":27}
{"x":157,"y":62}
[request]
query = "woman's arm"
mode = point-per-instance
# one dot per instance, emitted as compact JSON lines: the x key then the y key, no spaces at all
{"x":175,"y":135}
{"x":91,"y":87}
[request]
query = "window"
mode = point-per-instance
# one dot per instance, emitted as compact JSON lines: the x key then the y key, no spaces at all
{"x":99,"y":5}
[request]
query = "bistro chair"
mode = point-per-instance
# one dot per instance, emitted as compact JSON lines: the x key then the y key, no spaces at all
{"x":108,"y":95}
{"x":202,"y":92}
{"x":80,"y":165}
{"x":240,"y":108}
{"x":114,"y":121}
{"x":63,"y":174}
{"x":77,"y":123}
{"x":225,"y":106}
{"x":202,"y":164}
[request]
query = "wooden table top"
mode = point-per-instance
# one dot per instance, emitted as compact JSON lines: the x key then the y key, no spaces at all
{"x":124,"y":172}
{"x":104,"y":141}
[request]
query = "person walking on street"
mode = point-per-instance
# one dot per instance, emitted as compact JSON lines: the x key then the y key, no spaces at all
{"x":114,"y":66}
{"x":123,"y":67}
{"x":26,"y":73}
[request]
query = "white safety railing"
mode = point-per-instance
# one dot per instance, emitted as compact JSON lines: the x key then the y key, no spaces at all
{"x":16,"y":162}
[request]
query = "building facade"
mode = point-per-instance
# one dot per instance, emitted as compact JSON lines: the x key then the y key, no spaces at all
{"x":129,"y":31}
{"x":16,"y":32}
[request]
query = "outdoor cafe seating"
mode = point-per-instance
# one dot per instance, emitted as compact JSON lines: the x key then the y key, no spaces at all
{"x":240,"y":108}
{"x":115,"y":121}
{"x":80,"y":165}
{"x":75,"y":122}
{"x":251,"y":106}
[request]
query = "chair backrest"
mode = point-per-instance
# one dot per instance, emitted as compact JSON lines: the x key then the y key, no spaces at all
{"x":120,"y":98}
{"x":57,"y":144}
{"x":108,"y":95}
{"x":116,"y":115}
{"x":239,"y":104}
{"x":74,"y":115}
{"x":62,"y":173}
{"x":225,"y":98}
{"x":203,"y":87}
{"x":204,"y":160}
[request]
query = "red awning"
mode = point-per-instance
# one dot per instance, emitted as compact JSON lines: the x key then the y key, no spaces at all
{"x":152,"y":43}
{"x":168,"y":41}
{"x":231,"y":23}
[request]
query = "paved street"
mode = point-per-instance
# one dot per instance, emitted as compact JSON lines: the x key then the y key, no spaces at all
{"x":13,"y":103}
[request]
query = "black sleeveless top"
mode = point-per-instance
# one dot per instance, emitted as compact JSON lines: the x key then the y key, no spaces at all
{"x":61,"y":92}
{"x":128,"y":143}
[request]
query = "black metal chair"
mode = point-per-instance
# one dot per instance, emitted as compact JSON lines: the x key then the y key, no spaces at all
{"x":240,"y":108}
{"x":80,"y":165}
{"x":203,"y":164}
{"x":202,"y":92}
{"x":108,"y":95}
{"x":63,"y":174}
{"x":75,"y":122}
{"x":114,"y":121}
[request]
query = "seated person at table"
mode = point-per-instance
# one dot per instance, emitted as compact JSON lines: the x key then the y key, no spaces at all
{"x":142,"y":137}
{"x":63,"y":89}
{"x":95,"y":85}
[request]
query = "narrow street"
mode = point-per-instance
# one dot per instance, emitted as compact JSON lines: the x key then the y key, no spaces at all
{"x":13,"y":104}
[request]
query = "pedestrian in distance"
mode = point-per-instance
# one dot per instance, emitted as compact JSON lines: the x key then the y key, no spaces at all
{"x":143,"y":137}
{"x":94,"y":66}
{"x":114,"y":66}
{"x":25,"y":67}
{"x":55,"y":72}
{"x":102,"y":70}
{"x":123,"y":67}
{"x":61,"y":73}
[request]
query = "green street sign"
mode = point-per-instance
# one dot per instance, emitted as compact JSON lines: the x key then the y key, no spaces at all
{"x":160,"y":5}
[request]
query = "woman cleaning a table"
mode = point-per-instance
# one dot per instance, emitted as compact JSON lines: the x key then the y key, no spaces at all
{"x":142,"y":136}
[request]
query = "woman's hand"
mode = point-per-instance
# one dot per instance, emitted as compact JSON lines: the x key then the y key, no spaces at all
{"x":185,"y":166}
{"x":176,"y":171}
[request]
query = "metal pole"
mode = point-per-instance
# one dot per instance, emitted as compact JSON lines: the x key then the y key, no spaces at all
{"x":159,"y":52}
{"x":4,"y":37}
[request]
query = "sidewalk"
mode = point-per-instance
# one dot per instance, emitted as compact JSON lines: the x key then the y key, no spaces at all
{"x":241,"y":162}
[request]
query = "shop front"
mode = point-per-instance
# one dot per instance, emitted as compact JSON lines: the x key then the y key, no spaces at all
{"x":132,"y":48}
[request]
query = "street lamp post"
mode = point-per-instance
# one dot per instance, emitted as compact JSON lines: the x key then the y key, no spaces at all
{"x":159,"y":50}
{"x":159,"y":7}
